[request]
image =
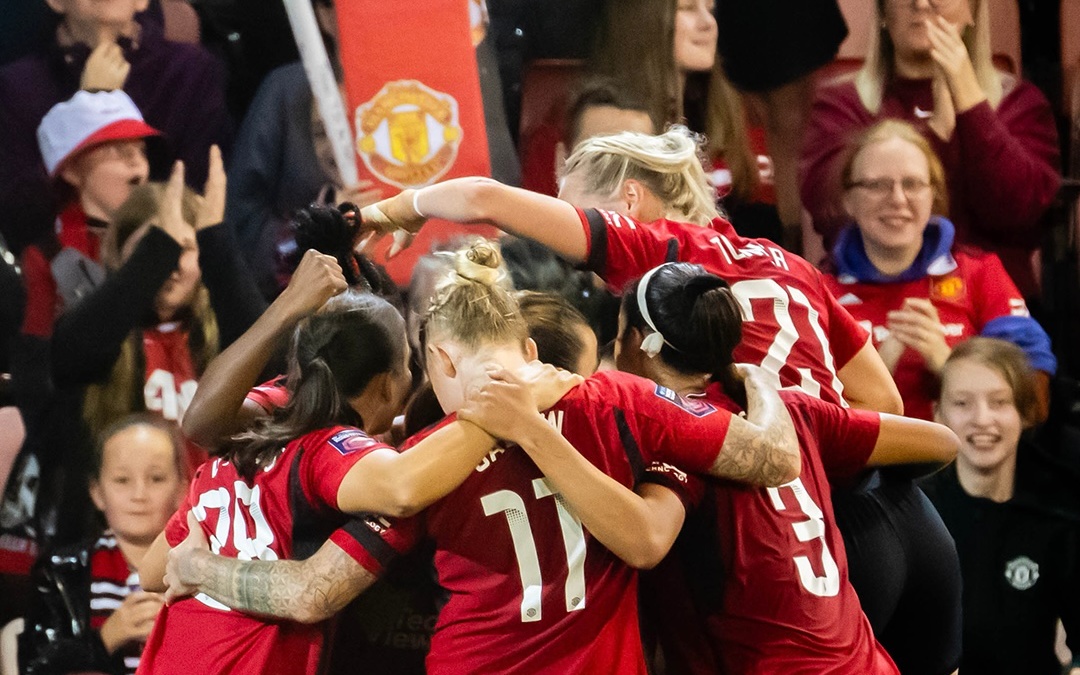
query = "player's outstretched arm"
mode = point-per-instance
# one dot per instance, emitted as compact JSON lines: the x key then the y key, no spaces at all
{"x":218,"y":408}
{"x":305,"y":591}
{"x":638,"y":527}
{"x":552,"y":222}
{"x":868,"y":385}
{"x":904,"y":440}
{"x":402,"y":484}
{"x":763,"y":448}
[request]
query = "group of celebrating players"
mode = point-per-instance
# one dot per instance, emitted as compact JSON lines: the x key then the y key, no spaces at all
{"x":543,"y":492}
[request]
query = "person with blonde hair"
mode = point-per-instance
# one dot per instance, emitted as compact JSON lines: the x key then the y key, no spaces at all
{"x":1019,"y":554}
{"x":930,"y":64}
{"x":897,"y":267}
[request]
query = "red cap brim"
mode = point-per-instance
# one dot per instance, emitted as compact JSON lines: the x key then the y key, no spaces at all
{"x":122,"y":130}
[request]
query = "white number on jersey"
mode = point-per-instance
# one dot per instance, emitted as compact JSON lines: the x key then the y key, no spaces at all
{"x":808,"y":530}
{"x":788,"y":335}
{"x":512,"y":505}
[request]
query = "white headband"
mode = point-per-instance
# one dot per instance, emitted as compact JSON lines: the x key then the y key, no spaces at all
{"x":654,"y":341}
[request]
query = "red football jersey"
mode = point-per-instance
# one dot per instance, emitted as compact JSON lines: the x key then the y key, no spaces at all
{"x":171,"y":380}
{"x":530,"y":590}
{"x":967,"y":296}
{"x":786,"y":604}
{"x":287,"y":512}
{"x":793,"y":327}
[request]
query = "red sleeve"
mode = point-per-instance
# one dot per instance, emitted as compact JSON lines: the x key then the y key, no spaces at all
{"x":993,"y":290}
{"x":270,"y":395}
{"x":374,"y":542}
{"x":837,"y":115}
{"x":685,"y":432}
{"x":845,"y":437}
{"x":688,"y":488}
{"x":41,"y":294}
{"x":176,"y":530}
{"x":620,"y":249}
{"x":846,"y":335}
{"x":324,"y":466}
{"x":1009,"y":157}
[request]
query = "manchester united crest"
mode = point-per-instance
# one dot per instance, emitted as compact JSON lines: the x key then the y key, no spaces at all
{"x":408,"y":134}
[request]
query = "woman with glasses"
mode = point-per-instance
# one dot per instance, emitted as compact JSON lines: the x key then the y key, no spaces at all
{"x":896,"y":267}
{"x":930,"y":63}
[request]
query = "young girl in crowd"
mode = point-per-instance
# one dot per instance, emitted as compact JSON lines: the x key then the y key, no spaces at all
{"x":1020,"y":559}
{"x":897,"y":268}
{"x":786,"y":602}
{"x":637,"y":201}
{"x":930,"y":64}
{"x":92,"y":614}
{"x":282,"y":489}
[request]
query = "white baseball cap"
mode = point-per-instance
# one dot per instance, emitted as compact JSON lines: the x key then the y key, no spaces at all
{"x":85,"y":120}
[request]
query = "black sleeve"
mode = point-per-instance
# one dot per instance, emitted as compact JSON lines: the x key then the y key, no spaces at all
{"x":87,"y":337}
{"x":597,"y":259}
{"x":234,"y":297}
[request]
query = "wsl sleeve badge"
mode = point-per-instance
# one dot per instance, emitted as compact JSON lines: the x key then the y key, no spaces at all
{"x":695,"y":407}
{"x":351,"y":440}
{"x":408,"y":134}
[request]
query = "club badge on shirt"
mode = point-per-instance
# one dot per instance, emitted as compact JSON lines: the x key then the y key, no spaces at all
{"x":1022,"y":573}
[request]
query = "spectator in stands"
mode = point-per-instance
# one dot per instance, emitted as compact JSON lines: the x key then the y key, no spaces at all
{"x":142,"y":339}
{"x":94,"y":147}
{"x":1020,"y":560}
{"x":91,"y":613}
{"x":930,"y":64}
{"x":283,"y":162}
{"x":105,"y":45}
{"x":680,"y":80}
{"x":896,"y":268}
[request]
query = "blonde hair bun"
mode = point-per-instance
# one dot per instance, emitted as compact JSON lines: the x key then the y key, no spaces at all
{"x":481,"y":263}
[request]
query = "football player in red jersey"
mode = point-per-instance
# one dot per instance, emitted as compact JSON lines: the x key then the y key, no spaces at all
{"x":652,"y":204}
{"x":284,"y":488}
{"x":530,"y":591}
{"x":786,"y":604}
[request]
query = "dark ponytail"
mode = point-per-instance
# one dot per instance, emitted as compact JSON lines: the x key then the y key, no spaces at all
{"x":335,"y":355}
{"x":333,"y":231}
{"x":699,"y":319}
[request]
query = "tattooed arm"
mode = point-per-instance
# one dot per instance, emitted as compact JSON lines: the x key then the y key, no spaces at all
{"x":305,"y":591}
{"x":763,"y":448}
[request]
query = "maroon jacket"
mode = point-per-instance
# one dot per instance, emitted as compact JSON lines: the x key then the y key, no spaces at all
{"x":1002,"y":166}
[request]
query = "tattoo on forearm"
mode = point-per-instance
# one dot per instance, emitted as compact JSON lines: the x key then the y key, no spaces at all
{"x":287,"y":589}
{"x":761,"y":451}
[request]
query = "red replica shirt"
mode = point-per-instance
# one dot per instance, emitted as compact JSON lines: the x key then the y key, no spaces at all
{"x":793,"y":327}
{"x":787,"y":605}
{"x":967,"y":296}
{"x":287,"y":512}
{"x":171,"y":379}
{"x":530,"y":590}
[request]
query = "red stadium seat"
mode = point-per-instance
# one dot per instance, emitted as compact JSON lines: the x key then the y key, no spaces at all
{"x":1070,"y":57}
{"x":1005,"y":35}
{"x":545,"y":87}
{"x":181,"y":21}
